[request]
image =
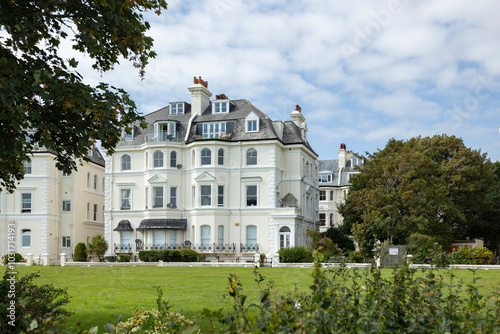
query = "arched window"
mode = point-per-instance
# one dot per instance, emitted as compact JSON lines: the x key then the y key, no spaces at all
{"x":285,"y":237}
{"x":88,"y":180}
{"x":27,"y":167}
{"x":26,"y":238}
{"x":220,"y":157}
{"x":173,"y":159}
{"x":206,"y":157}
{"x":103,"y":184}
{"x":251,"y":157}
{"x":126,"y":162}
{"x":95,"y":181}
{"x":251,"y":238}
{"x":157,"y":159}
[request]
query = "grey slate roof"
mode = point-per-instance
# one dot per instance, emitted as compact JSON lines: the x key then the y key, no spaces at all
{"x":287,"y":132}
{"x":332,"y":167}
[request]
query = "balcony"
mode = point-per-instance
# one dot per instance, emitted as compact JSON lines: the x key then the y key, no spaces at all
{"x":215,"y":248}
{"x":123,"y":248}
{"x":162,"y":136}
{"x":141,"y":246}
{"x":249,"y":248}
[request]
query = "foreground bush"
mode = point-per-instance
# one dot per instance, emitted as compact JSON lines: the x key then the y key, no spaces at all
{"x":295,"y":255}
{"x":154,"y":321}
{"x":362,"y":301}
{"x":170,"y":255}
{"x":25,"y":306}
{"x":17,"y":258}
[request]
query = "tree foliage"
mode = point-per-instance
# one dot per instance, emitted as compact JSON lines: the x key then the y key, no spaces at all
{"x":433,"y":185}
{"x":43,"y":100}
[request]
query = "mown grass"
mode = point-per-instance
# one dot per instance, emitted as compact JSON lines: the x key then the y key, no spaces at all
{"x":100,"y":294}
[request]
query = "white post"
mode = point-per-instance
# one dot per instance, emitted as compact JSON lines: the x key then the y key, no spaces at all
{"x":45,"y":259}
{"x":63,"y":259}
{"x":409,"y":257}
{"x":276,"y":260}
{"x":256,"y":259}
{"x":29,"y":259}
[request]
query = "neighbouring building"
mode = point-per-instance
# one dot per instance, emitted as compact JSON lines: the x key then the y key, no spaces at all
{"x":218,"y":176}
{"x":334,"y":185}
{"x":50,"y":212}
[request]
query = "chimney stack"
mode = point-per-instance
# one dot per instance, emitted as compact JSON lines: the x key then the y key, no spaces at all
{"x":342,"y":156}
{"x":200,"y":96}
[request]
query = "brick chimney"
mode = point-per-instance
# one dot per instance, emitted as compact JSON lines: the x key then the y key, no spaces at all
{"x":200,"y":96}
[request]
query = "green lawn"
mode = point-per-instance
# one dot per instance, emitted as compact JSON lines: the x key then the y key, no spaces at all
{"x":100,"y":294}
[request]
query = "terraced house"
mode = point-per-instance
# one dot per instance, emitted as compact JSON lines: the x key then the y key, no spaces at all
{"x":51,"y":211}
{"x":218,"y":176}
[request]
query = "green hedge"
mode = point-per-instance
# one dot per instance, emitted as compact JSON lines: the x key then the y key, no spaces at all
{"x":169,"y":255}
{"x":295,"y":255}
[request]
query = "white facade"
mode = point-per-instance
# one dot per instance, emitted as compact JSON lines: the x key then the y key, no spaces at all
{"x":334,"y":183}
{"x":212,"y":178}
{"x":49,"y":213}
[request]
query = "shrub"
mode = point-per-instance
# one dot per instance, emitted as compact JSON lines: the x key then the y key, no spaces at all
{"x":169,"y":255}
{"x":124,"y":258}
{"x":98,"y":246}
{"x":405,"y":302}
{"x":426,"y":249}
{"x":80,"y":252}
{"x":111,"y":258}
{"x":155,"y":321}
{"x":468,"y":255}
{"x":295,"y":255}
{"x":355,"y":257}
{"x":17,"y":258}
{"x":37,"y":308}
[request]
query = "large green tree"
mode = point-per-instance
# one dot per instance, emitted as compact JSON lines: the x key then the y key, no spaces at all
{"x":43,"y":100}
{"x":433,"y":185}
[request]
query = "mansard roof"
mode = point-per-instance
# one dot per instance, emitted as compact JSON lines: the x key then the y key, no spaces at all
{"x":287,"y":132}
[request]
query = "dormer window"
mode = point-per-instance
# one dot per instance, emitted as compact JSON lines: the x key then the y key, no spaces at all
{"x":355,"y":161}
{"x":252,"y":123}
{"x":220,"y":107}
{"x":325,"y":177}
{"x":165,"y":131}
{"x":177,"y":108}
{"x":128,"y":136}
{"x":214,"y":130}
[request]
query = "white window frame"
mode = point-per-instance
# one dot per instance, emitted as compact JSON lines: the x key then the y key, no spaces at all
{"x":205,"y":237}
{"x":206,"y":157}
{"x":220,"y":107}
{"x":95,"y":182}
{"x":66,"y":242}
{"x":256,"y":195}
{"x":173,"y":159}
{"x":285,"y":236}
{"x":157,"y":162}
{"x":213,"y":129}
{"x":252,"y":157}
{"x":126,"y":164}
{"x":173,"y":237}
{"x":321,"y":178}
{"x":27,"y":167}
{"x":161,"y":135}
{"x":155,"y":196}
{"x":127,"y":136}
{"x":220,"y":196}
{"x":173,"y":197}
{"x":26,"y":233}
{"x":129,"y":199}
{"x":207,"y":196}
{"x":95,"y":212}
{"x":322,"y":195}
{"x":220,"y":235}
{"x":251,"y":241}
{"x":23,"y":202}
{"x":177,"y":108}
{"x":220,"y":157}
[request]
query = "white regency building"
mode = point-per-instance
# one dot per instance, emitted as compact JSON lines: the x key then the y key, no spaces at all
{"x":217,"y":176}
{"x":334,"y":185}
{"x":50,"y":212}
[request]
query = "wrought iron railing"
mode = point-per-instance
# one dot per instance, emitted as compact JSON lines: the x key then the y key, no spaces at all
{"x":215,"y":248}
{"x":161,"y":136}
{"x":142,"y":246}
{"x":249,"y":248}
{"x":123,"y":248}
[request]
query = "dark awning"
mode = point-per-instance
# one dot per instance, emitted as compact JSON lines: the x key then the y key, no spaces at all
{"x":157,"y":224}
{"x":123,"y":225}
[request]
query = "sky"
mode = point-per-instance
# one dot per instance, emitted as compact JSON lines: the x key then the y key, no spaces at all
{"x":363,"y":72}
